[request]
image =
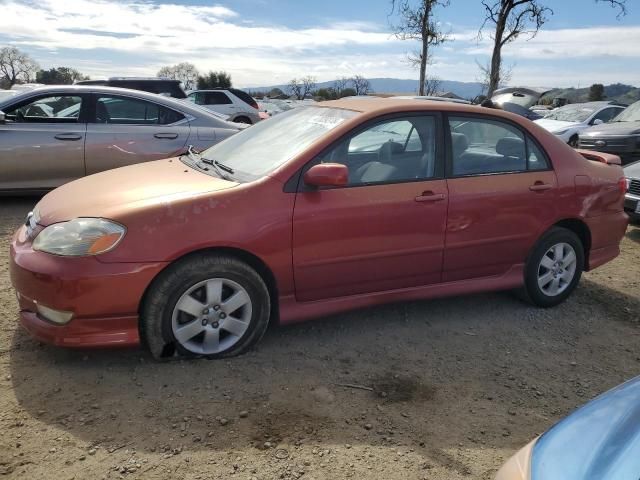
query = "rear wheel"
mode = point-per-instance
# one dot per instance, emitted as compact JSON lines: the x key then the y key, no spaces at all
{"x":207,"y":306}
{"x":554,"y":268}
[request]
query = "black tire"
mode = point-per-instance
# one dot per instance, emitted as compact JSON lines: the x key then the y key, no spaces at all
{"x":531,"y":291}
{"x":574,"y":141}
{"x":243,"y":120}
{"x":172,"y":284}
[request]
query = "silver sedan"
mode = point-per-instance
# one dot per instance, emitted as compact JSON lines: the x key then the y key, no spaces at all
{"x":52,"y":135}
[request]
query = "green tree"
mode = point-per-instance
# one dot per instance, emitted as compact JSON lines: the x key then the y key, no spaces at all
{"x":596,"y":92}
{"x":276,"y":93}
{"x":59,"y":76}
{"x":348,"y":92}
{"x":214,"y":80}
{"x":327,"y":93}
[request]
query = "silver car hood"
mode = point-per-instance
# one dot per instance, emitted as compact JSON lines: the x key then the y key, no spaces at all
{"x":599,"y":441}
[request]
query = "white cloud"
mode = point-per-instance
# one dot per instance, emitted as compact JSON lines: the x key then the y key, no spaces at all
{"x":137,"y":37}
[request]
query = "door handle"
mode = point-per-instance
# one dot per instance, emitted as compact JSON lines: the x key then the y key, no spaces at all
{"x":540,"y":187}
{"x":67,"y":136}
{"x":168,"y":135}
{"x":429,"y":196}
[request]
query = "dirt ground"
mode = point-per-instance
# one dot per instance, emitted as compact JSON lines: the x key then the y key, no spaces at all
{"x":456,"y":386}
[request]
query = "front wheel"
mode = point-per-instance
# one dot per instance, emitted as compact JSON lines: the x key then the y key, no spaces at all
{"x":574,"y":141}
{"x":205,"y":306}
{"x":554,"y":268}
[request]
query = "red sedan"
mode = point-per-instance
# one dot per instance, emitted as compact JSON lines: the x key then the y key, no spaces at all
{"x":321,"y":209}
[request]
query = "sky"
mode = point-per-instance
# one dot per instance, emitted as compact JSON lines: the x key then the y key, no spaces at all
{"x":268,"y":42}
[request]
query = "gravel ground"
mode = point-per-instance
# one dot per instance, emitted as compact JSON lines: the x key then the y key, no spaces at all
{"x":452,"y":388}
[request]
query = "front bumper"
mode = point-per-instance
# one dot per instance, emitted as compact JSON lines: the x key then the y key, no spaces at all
{"x":626,"y":147}
{"x":104,"y":297}
{"x":631,"y":206}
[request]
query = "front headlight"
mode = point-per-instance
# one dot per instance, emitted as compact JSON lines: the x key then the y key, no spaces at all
{"x":79,"y":237}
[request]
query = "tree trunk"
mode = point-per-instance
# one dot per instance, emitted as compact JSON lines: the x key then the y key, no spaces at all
{"x":423,"y":65}
{"x":496,"y":59}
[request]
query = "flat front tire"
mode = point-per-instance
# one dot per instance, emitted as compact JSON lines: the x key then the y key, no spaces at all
{"x":208,"y":305}
{"x":553,"y":268}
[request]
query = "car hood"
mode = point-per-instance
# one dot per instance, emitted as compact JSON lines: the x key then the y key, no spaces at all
{"x":555,"y":125}
{"x":600,"y":440}
{"x":613,"y":128}
{"x":109,"y":193}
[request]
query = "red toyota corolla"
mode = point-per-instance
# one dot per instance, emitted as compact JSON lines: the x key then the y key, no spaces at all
{"x":321,"y":209}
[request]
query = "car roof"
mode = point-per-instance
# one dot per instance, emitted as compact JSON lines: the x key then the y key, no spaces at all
{"x":177,"y":104}
{"x":380,"y":105}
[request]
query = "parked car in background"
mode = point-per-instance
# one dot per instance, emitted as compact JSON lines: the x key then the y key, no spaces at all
{"x":518,"y":100}
{"x":52,"y":135}
{"x":238,"y":105}
{"x":567,"y":122}
{"x":601,"y":440}
{"x":632,"y":198}
{"x":162,"y":86}
{"x":620,"y":137}
{"x":199,"y":253}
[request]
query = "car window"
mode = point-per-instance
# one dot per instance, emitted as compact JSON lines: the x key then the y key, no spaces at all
{"x":536,"y":159}
{"x":607,"y":114}
{"x":123,"y":110}
{"x":52,"y":109}
{"x":481,"y":146}
{"x":390,"y":151}
{"x":216,"y":98}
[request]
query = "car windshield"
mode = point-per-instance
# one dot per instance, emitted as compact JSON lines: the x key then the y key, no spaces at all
{"x":630,"y":114}
{"x":262,"y":148}
{"x":571,"y":113}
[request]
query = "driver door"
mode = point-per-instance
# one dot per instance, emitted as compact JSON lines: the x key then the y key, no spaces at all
{"x":385,"y":229}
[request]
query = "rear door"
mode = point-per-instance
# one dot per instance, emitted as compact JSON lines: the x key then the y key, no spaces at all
{"x":503,"y":194}
{"x":126,"y":130}
{"x":42,"y":142}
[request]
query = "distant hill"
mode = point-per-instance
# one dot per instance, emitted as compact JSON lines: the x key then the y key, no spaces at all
{"x":396,"y":85}
{"x":619,"y":92}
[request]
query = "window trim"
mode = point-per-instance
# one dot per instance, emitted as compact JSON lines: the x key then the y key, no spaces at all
{"x":526,"y":135}
{"x":94,"y":102}
{"x":297,"y":180}
{"x":83,"y":114}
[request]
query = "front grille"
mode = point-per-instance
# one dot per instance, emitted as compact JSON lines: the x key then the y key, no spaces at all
{"x":634,"y":187}
{"x":610,"y":143}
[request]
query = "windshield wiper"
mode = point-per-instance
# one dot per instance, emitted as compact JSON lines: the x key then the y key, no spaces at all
{"x":217,"y":166}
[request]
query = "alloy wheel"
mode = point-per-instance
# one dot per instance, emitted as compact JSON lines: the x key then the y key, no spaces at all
{"x":557,"y":269}
{"x":211,"y":316}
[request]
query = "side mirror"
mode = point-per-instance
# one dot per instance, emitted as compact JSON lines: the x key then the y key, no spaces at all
{"x":327,"y":175}
{"x":2,"y":117}
{"x":598,"y":121}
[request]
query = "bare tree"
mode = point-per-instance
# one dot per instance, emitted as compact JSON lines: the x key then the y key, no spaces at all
{"x":16,"y":66}
{"x":510,"y":19}
{"x":361,"y":85}
{"x":340,"y":85}
{"x":308,"y":85}
{"x":506,"y":72}
{"x":185,"y":72}
{"x":295,"y":88}
{"x":417,"y":22}
{"x":431,"y":85}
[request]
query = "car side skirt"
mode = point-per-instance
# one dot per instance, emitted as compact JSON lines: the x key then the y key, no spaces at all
{"x":292,"y":311}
